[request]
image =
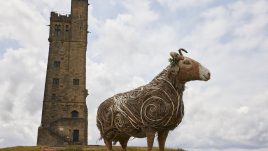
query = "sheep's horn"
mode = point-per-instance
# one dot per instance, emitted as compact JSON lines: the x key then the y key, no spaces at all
{"x":181,"y":49}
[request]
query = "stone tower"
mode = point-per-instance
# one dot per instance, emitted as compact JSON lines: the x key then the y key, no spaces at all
{"x":64,"y":115}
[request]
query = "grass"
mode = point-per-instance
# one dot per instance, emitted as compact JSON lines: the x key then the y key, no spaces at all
{"x":22,"y":148}
{"x":78,"y":148}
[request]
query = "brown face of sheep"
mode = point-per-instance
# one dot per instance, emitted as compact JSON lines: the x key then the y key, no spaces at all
{"x":190,"y":69}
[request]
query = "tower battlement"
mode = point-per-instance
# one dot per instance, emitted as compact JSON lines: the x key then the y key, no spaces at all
{"x":81,"y":0}
{"x":57,"y":17}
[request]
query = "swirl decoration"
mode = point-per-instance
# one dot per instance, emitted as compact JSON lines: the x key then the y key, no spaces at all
{"x":158,"y":109}
{"x":119,"y":121}
{"x":155,"y":112}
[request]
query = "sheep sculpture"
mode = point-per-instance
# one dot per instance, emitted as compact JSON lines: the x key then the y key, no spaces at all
{"x":153,"y":108}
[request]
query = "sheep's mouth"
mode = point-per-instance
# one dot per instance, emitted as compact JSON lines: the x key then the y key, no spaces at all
{"x":204,"y":73}
{"x":205,"y":77}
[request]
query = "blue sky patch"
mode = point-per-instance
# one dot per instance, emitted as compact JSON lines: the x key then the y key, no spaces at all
{"x":8,"y":43}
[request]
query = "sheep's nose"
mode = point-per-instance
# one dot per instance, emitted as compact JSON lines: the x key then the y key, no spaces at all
{"x":208,"y":75}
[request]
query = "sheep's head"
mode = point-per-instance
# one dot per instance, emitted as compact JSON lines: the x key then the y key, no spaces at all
{"x":187,"y":69}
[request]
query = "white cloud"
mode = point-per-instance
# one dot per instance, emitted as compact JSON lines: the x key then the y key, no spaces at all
{"x":21,"y":90}
{"x":243,"y":110}
{"x":127,"y":49}
{"x":182,"y":4}
{"x":23,"y":24}
{"x":22,"y":72}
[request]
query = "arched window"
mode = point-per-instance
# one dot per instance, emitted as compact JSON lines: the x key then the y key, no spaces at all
{"x":74,"y":114}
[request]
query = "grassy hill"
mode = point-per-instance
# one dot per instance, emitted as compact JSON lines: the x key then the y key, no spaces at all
{"x":78,"y":148}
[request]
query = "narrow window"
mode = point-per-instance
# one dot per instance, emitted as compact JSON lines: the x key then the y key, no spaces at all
{"x":67,"y":28}
{"x":56,"y":81}
{"x":75,"y":81}
{"x":56,"y":64}
{"x":74,"y":114}
{"x":57,"y":30}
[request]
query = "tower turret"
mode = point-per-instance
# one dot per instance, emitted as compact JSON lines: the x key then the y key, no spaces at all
{"x":79,"y":13}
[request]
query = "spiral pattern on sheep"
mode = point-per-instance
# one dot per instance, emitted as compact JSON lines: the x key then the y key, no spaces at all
{"x":118,"y":121}
{"x":156,"y":111}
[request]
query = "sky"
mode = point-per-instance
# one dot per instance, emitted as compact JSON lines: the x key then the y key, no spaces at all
{"x":128,"y":45}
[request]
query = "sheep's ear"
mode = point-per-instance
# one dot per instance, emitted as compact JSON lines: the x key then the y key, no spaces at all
{"x":174,"y":58}
{"x":174,"y":54}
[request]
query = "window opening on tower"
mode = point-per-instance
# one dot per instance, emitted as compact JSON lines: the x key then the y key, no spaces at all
{"x":75,"y":81}
{"x":57,"y":29}
{"x":74,"y":114}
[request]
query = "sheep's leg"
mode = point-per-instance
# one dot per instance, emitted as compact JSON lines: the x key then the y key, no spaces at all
{"x":108,"y":144}
{"x":162,"y":136}
{"x":124,"y":142}
{"x":150,"y":140}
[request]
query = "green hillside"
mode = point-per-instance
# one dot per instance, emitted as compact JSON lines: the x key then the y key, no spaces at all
{"x":77,"y":148}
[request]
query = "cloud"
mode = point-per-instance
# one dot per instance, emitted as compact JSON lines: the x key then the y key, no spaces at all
{"x":128,"y":45}
{"x":22,"y":65}
{"x":232,"y":58}
{"x":21,"y":90}
{"x":175,"y":5}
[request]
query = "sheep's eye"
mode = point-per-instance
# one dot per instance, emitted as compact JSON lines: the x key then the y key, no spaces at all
{"x":186,"y":62}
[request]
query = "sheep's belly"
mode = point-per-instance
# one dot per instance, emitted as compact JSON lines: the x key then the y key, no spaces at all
{"x":132,"y":127}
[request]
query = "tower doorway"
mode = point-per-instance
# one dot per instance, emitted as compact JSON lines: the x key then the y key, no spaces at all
{"x":75,"y":136}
